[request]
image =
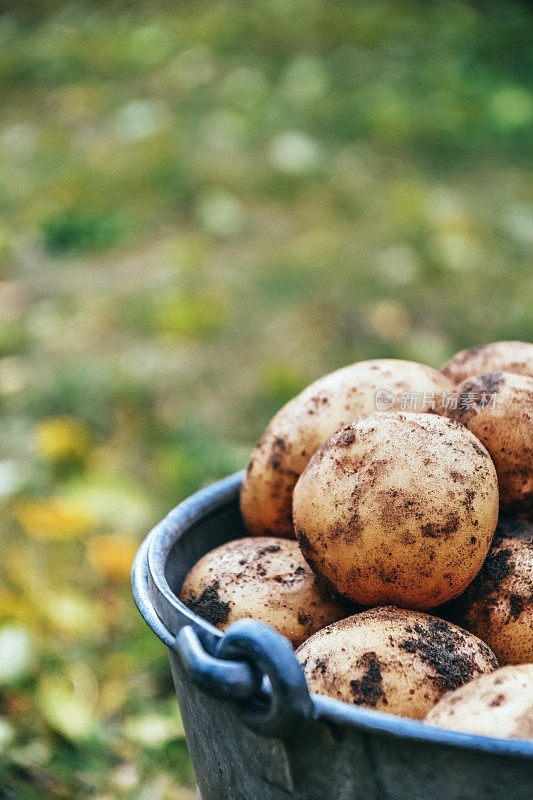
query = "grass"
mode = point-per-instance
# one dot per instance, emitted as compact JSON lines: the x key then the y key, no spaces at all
{"x":204,"y":207}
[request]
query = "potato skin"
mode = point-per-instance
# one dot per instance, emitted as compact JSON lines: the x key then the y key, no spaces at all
{"x":499,"y":705}
{"x":398,"y":508}
{"x":495,"y":357}
{"x":264,"y":578}
{"x":498,"y":604}
{"x":305,"y":423}
{"x":498,"y":408}
{"x":392,"y":660}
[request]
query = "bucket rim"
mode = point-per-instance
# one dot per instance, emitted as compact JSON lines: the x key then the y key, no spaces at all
{"x":148,"y":577}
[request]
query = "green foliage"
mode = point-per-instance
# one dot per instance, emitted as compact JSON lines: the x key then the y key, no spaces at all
{"x":74,"y":230}
{"x":188,"y":316}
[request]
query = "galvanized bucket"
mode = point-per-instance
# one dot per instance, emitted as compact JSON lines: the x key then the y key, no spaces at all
{"x":253,"y":730}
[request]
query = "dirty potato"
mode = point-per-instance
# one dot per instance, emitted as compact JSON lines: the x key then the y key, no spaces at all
{"x":498,"y":408}
{"x":263,"y":578}
{"x":398,"y":508}
{"x":392,"y":660}
{"x":305,"y":423}
{"x":498,"y":705}
{"x":495,"y":357}
{"x":498,"y":605}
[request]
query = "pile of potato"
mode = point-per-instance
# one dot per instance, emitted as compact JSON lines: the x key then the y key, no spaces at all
{"x":383,"y":491}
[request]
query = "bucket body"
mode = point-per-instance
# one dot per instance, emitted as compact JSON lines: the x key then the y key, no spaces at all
{"x":253,"y":731}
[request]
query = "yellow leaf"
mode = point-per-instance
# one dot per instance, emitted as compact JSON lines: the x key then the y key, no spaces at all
{"x":9,"y":606}
{"x":153,"y":730}
{"x":62,"y":439}
{"x":112,"y":555}
{"x":53,"y":518}
{"x":67,"y":702}
{"x":113,"y":696}
{"x":115,"y":504}
{"x":70,"y":614}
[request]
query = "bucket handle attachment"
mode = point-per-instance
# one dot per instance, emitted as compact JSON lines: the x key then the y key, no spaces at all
{"x":221,"y":678}
{"x":255,"y":668}
{"x":251,"y":665}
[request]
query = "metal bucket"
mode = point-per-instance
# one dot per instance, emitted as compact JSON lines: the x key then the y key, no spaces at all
{"x":253,"y":730}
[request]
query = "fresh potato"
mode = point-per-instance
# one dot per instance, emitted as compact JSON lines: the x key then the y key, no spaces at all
{"x":499,"y":705}
{"x":398,"y":508}
{"x":306,"y":422}
{"x":498,"y":408}
{"x":498,"y":605}
{"x":264,"y":578}
{"x":495,"y":357}
{"x":392,"y":660}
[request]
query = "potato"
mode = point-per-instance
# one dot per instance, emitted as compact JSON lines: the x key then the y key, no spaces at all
{"x":305,"y":423}
{"x":498,"y":408}
{"x":498,"y":605}
{"x":264,"y":578}
{"x":499,"y":705}
{"x":398,"y":508}
{"x":495,"y":357}
{"x":392,"y":660}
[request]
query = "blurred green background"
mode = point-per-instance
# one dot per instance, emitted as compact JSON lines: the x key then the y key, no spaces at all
{"x":204,"y":206}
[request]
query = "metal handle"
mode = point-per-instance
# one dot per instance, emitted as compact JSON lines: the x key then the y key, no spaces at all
{"x":252,"y":665}
{"x":225,"y":680}
{"x":256,"y":669}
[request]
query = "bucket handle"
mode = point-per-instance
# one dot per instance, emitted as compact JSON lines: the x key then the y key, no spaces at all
{"x":255,"y":668}
{"x":221,"y":678}
{"x":251,"y":665}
